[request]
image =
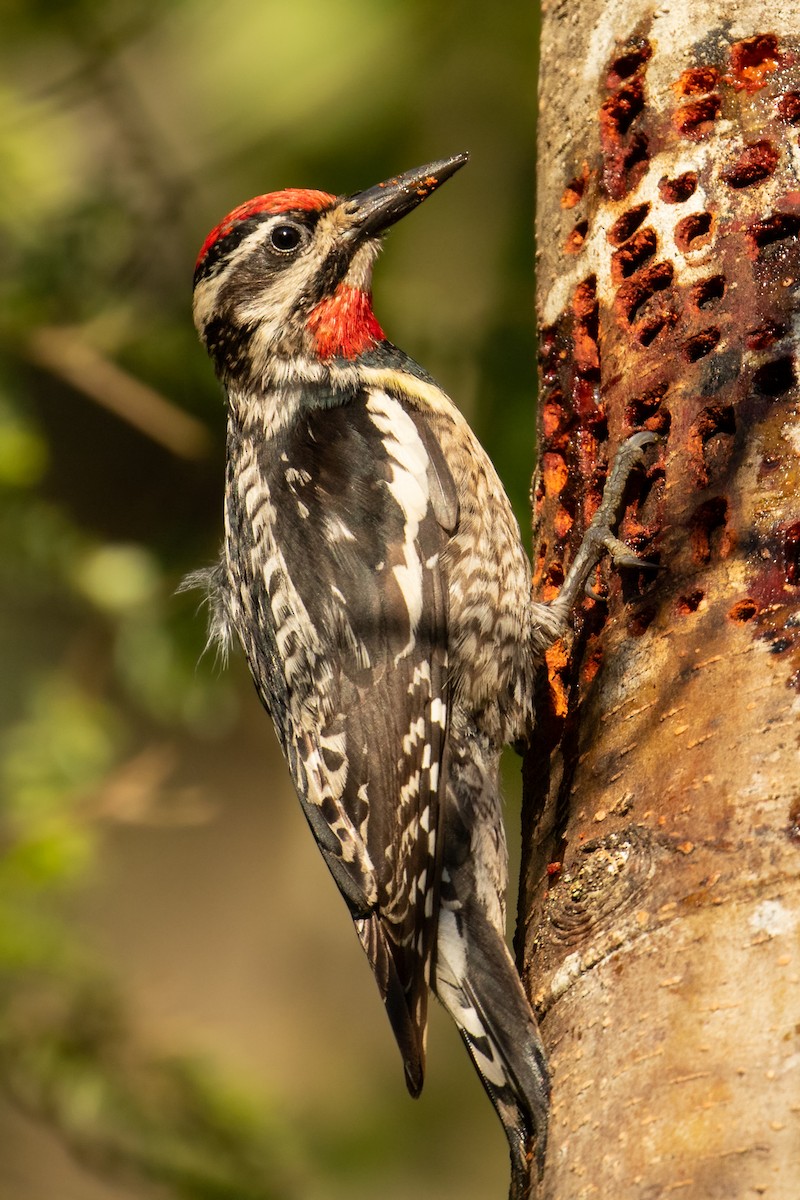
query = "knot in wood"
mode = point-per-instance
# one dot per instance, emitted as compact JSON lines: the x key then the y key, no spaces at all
{"x":601,"y":883}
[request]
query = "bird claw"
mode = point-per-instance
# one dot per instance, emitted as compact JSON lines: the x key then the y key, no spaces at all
{"x":629,"y":455}
{"x":621,"y":554}
{"x":591,"y":591}
{"x":600,"y":536}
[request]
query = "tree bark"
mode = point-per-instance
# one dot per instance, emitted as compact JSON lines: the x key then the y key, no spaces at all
{"x":659,"y":927}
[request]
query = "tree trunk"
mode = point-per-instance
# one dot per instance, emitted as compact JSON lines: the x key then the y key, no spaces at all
{"x":660,"y":891}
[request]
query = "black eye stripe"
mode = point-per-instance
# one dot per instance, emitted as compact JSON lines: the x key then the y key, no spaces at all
{"x":220,"y":252}
{"x":217,"y":257}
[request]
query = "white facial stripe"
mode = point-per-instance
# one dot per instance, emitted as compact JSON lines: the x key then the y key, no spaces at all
{"x":359,"y":274}
{"x":207,"y":290}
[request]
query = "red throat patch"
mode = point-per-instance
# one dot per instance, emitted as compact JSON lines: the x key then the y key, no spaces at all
{"x":344,"y":325}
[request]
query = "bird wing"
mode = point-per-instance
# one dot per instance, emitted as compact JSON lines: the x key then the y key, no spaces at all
{"x":363,"y":504}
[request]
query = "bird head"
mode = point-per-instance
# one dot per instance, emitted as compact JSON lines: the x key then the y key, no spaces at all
{"x":285,"y":278}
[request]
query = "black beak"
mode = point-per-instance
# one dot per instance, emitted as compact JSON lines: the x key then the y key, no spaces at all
{"x":375,"y":209}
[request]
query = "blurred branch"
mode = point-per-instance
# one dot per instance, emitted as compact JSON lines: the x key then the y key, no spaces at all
{"x":64,"y":353}
{"x":67,"y":1057}
{"x":139,"y":792}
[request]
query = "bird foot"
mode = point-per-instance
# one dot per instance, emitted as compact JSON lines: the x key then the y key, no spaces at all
{"x":600,"y":534}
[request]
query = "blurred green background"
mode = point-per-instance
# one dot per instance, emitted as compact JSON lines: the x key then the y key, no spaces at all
{"x":184,"y":1009}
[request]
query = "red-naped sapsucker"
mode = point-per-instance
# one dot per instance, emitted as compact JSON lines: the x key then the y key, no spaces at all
{"x":374,"y":574}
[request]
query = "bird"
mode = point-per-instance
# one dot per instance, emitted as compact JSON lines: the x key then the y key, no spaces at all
{"x":374,"y":574}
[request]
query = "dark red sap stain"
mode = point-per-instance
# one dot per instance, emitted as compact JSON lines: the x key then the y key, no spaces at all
{"x":627,"y":224}
{"x":789,"y":108}
{"x":647,"y":411}
{"x":707,"y":292}
{"x":697,"y":81}
{"x":625,"y":152}
{"x":575,"y":189}
{"x":678,"y":190}
{"x":586,"y":313}
{"x":743,"y":611}
{"x":633,"y":255}
{"x":752,"y":60}
{"x":619,"y":111}
{"x":707,"y":530}
{"x":777,"y":227}
{"x":765,"y":335}
{"x":634,"y":294}
{"x":696,"y":120}
{"x":710,"y":442}
{"x":776,"y":377}
{"x":701,"y":344}
{"x":693,"y":231}
{"x":690,"y":603}
{"x":576,"y":238}
{"x":754,"y":164}
{"x":628,"y":63}
{"x":791,"y":554}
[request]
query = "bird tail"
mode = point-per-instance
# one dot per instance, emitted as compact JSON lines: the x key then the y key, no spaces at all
{"x":478,"y":984}
{"x":407,"y":1014}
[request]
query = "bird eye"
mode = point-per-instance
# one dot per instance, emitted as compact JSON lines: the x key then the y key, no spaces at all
{"x":285,"y":238}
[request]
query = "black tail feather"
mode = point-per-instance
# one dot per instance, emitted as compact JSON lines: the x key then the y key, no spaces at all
{"x":495,"y":1020}
{"x":408,"y":1026}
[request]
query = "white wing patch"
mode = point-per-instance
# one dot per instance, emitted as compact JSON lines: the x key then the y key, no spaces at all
{"x":409,"y":487}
